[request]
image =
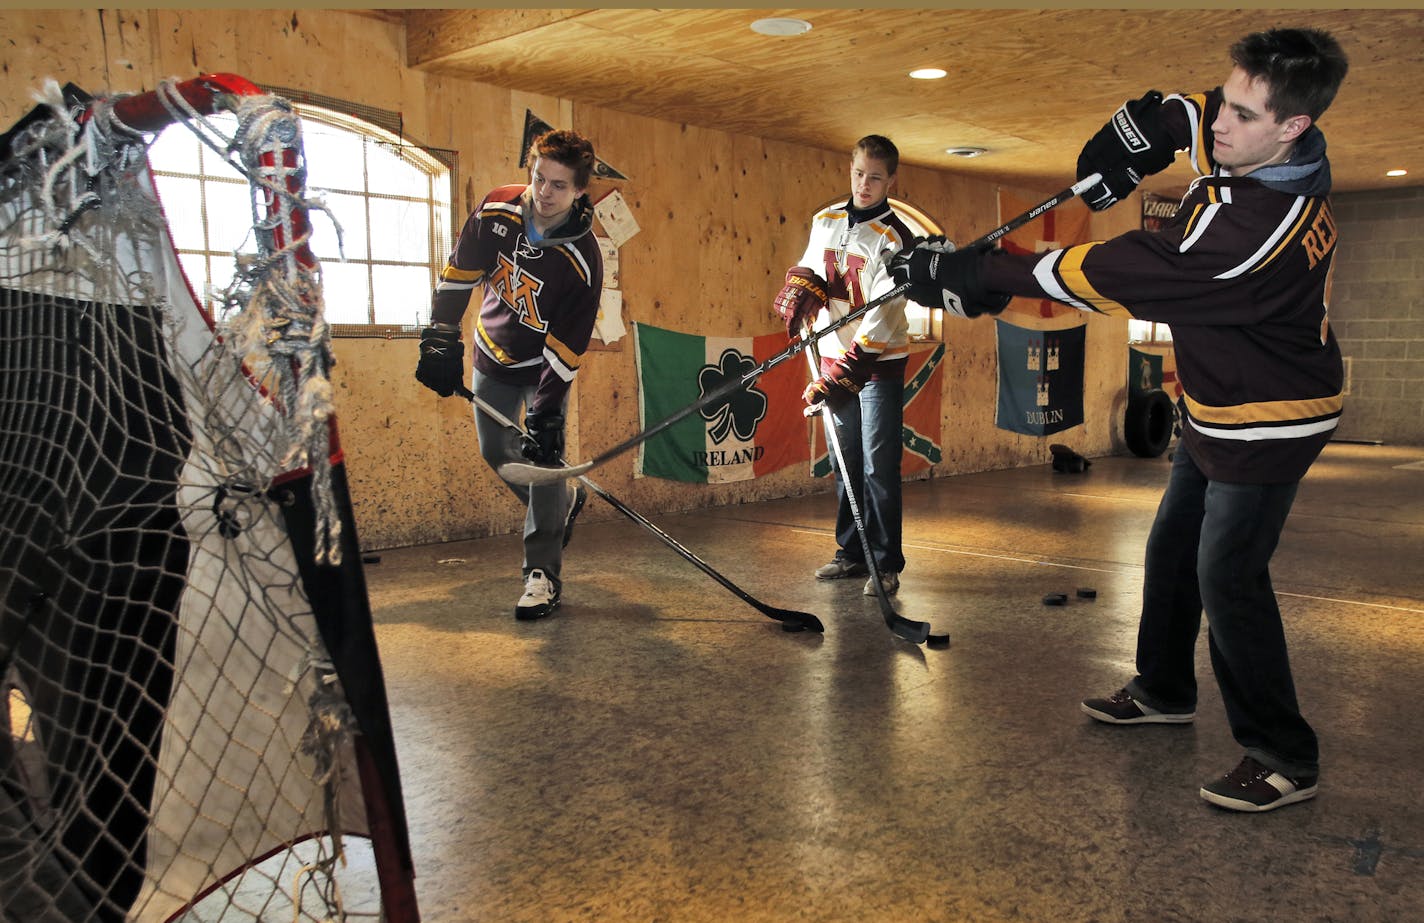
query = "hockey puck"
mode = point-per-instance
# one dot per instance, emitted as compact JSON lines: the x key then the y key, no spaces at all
{"x":937,"y":641}
{"x":1087,"y":592}
{"x":1056,"y":599}
{"x":370,"y":559}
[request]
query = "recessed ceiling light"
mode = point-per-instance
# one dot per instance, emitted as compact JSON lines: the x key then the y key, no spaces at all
{"x":778,"y":25}
{"x":965,"y":151}
{"x":928,"y":73}
{"x":1397,"y":173}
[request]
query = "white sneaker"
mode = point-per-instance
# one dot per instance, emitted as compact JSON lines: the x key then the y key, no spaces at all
{"x":539,"y":599}
{"x":889,"y":580}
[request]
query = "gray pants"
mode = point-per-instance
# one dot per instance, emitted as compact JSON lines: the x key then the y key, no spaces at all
{"x":546,"y":507}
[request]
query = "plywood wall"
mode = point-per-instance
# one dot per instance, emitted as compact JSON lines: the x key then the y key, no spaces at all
{"x":722,"y":216}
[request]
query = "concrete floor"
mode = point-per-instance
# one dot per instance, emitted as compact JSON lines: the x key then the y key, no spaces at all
{"x":660,"y":751}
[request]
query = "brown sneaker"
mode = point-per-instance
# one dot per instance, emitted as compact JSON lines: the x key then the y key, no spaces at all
{"x":1122,"y":708}
{"x":1253,"y":787}
{"x":840,"y":568}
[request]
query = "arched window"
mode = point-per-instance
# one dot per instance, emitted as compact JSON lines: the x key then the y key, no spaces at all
{"x":390,"y":198}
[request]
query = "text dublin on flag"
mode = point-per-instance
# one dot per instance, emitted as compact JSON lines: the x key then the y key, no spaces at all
{"x":1040,"y":379}
{"x":755,"y":430}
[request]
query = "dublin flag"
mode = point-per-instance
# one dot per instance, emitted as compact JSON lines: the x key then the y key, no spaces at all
{"x":756,"y":429}
{"x":1040,"y":379}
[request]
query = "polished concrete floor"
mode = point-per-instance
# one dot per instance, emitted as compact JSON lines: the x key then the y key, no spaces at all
{"x":660,"y":751}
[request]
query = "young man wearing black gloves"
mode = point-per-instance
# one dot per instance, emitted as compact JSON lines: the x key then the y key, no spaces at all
{"x":532,"y":249}
{"x":1242,"y":275}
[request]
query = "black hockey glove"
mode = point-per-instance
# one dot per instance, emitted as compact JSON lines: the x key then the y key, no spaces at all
{"x":946,"y":278}
{"x":442,"y":360}
{"x":546,"y":429}
{"x":1132,"y":145}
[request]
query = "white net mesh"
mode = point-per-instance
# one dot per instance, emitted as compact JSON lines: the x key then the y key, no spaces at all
{"x":172,"y":724}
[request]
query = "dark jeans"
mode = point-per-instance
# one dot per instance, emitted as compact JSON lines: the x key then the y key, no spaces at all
{"x":869,"y":430}
{"x":1210,"y":549}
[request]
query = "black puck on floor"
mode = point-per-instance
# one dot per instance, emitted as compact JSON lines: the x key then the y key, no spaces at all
{"x":1087,"y":592}
{"x":1056,"y":599}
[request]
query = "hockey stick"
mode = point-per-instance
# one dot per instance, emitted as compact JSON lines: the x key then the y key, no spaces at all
{"x":790,"y":619}
{"x":908,"y":629}
{"x":531,"y":474}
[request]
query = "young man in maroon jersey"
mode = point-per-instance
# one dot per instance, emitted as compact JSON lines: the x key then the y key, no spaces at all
{"x":1242,"y":275}
{"x":532,"y":251}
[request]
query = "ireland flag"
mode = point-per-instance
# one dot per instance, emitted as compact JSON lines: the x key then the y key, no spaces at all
{"x":755,"y":430}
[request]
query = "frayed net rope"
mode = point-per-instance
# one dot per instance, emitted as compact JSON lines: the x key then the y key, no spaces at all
{"x":273,"y":311}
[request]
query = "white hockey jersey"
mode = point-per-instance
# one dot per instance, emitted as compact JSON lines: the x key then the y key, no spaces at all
{"x":854,"y":258}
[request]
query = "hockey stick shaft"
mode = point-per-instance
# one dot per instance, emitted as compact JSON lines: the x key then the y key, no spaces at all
{"x":791,"y":619}
{"x":531,"y":474}
{"x":912,"y":631}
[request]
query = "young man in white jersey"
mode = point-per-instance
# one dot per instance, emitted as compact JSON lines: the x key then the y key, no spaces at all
{"x":862,"y":374}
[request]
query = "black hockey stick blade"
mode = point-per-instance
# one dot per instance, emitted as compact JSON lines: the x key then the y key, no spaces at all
{"x":531,"y":474}
{"x":790,"y":619}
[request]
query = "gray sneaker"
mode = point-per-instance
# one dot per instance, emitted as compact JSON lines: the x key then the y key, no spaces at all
{"x":1122,"y":708}
{"x":840,"y":568}
{"x":579,"y":498}
{"x":889,"y":580}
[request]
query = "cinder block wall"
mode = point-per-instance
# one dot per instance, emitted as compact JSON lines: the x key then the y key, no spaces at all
{"x":1377,"y":309}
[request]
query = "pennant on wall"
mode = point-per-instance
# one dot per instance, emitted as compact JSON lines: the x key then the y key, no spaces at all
{"x":1040,"y":379}
{"x":535,"y":126}
{"x":754,"y":431}
{"x":919,"y":433}
{"x":1063,"y":226}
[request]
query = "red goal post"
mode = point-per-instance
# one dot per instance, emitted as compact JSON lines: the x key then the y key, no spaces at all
{"x":192,"y":709}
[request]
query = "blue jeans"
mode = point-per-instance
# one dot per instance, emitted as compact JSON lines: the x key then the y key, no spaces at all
{"x":868,"y":427}
{"x":1210,"y":549}
{"x":546,"y":506}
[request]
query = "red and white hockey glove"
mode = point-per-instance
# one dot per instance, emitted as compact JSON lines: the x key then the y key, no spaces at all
{"x":800,"y":299}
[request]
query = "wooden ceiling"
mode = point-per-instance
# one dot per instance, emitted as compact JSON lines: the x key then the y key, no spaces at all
{"x":1029,"y":85}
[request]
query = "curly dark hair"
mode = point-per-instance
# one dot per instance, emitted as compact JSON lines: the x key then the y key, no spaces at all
{"x":567,"y":147}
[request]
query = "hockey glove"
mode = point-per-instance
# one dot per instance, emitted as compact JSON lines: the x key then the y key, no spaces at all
{"x":441,"y":367}
{"x":1132,"y":145}
{"x":800,"y":299}
{"x":829,"y":389}
{"x":946,"y":278}
{"x":546,"y":429}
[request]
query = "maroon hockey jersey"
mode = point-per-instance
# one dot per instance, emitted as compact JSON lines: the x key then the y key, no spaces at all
{"x":540,"y":297}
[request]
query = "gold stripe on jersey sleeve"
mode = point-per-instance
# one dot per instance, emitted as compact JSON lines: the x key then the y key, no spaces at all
{"x":1266,"y":411}
{"x":500,"y":355}
{"x":1070,"y":273}
{"x":455,"y":274}
{"x":875,"y":346}
{"x":1306,"y":216}
{"x":1190,"y":227}
{"x":576,"y":262}
{"x":567,"y":356}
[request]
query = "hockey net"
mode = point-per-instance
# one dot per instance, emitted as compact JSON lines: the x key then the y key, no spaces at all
{"x":193,"y":722}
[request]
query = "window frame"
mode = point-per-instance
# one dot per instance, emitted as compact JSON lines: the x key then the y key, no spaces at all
{"x":440,"y":169}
